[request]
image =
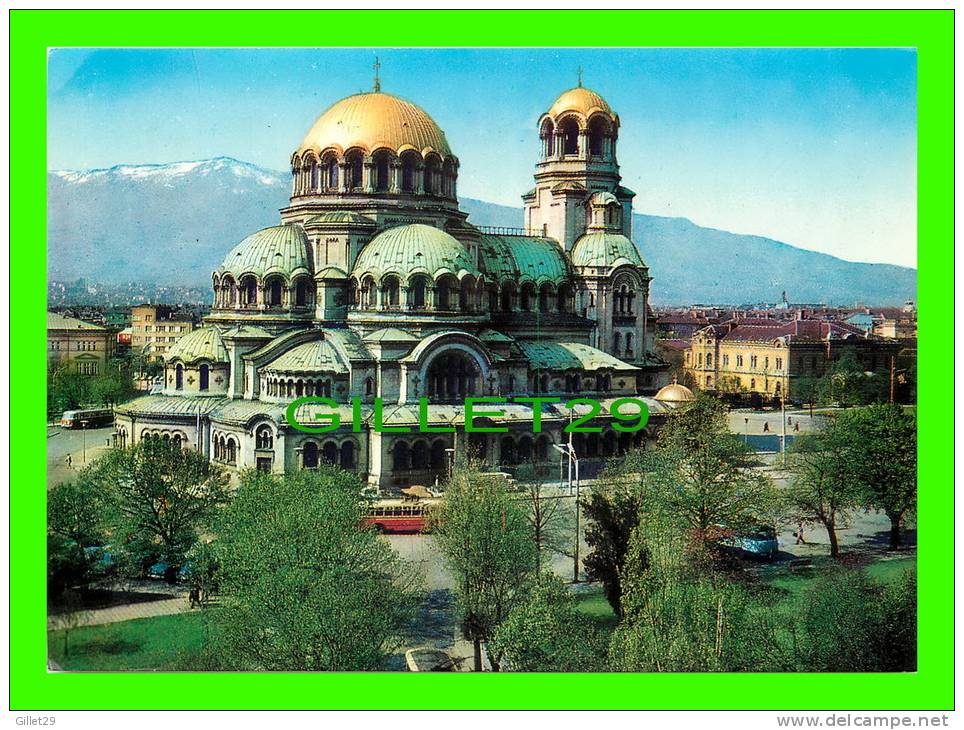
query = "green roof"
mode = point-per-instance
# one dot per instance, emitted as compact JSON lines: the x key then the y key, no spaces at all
{"x":201,"y":344}
{"x":390,"y":334}
{"x":607,"y":250}
{"x":279,"y":249}
{"x":569,"y":356}
{"x":60,"y":322}
{"x":340,"y":216}
{"x":316,"y":356}
{"x":170,"y":405}
{"x":411,"y":249}
{"x":532,"y":258}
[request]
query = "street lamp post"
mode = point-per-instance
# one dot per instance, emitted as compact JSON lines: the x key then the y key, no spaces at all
{"x":570,"y":451}
{"x":83,"y":428}
{"x":746,"y":430}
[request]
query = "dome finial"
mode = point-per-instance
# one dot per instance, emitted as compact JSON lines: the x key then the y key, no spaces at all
{"x":579,"y":74}
{"x":378,"y":82}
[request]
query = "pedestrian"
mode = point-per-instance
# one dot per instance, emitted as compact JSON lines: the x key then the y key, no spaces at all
{"x":796,"y":427}
{"x":195,"y":598}
{"x":766,"y":427}
{"x":799,"y":535}
{"x":69,"y":462}
{"x":789,"y":420}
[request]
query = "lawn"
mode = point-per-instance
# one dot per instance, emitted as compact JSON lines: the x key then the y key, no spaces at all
{"x":594,"y":603}
{"x":163,"y":642}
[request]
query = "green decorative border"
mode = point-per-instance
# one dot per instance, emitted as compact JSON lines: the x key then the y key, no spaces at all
{"x":931,"y":688}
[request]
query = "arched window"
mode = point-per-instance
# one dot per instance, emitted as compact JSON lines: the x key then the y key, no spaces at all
{"x":562,"y":298}
{"x":264,"y":438}
{"x":400,"y":456}
{"x":313,"y":175}
{"x":448,"y":179}
{"x":524,"y":449}
{"x":629,"y":344}
{"x":354,"y":171}
{"x":570,"y":137}
{"x":309,"y":455}
{"x":437,"y":457}
{"x":616,"y":338}
{"x":203,"y":377}
{"x":409,"y":170}
{"x":329,"y":452}
{"x":381,"y":172}
{"x":542,"y":448}
{"x":249,"y":292}
{"x":467,"y":294}
{"x":274,"y":291}
{"x":369,"y":386}
{"x":368,"y":296}
{"x":346,"y":458}
{"x":179,"y":377}
{"x":416,"y":293}
{"x":390,"y":287}
{"x":353,"y":293}
{"x":598,"y":129}
{"x":331,"y":174}
{"x":545,"y":296}
{"x":525,"y":297}
{"x":507,"y":451}
{"x":548,"y":135}
{"x":430,"y":176}
{"x":303,"y":292}
{"x":446,"y":289}
{"x":420,"y":455}
{"x":231,"y":450}
{"x":507,"y":291}
{"x":452,"y":376}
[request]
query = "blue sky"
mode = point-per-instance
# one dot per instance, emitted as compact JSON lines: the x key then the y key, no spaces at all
{"x":813,"y":147}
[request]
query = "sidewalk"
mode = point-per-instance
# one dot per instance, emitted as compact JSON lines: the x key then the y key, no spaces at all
{"x":127,"y":612}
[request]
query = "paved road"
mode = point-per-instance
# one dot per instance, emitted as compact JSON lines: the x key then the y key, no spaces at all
{"x":63,"y":441}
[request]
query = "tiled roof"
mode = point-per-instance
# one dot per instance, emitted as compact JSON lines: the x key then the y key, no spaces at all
{"x":532,"y":258}
{"x":280,"y":249}
{"x":171,"y":405}
{"x":411,"y":249}
{"x":310,"y":357}
{"x":202,"y":344}
{"x":799,"y":330}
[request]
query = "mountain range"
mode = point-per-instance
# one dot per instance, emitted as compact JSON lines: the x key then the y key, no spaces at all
{"x":174,"y":223}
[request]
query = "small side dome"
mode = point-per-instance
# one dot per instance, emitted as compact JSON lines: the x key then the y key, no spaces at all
{"x":675,"y":393}
{"x":204,"y":343}
{"x":280,"y":249}
{"x":319,"y":356}
{"x":607,"y":250}
{"x":414,"y":248}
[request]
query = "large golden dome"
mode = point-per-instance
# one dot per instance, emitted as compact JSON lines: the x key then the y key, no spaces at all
{"x":581,"y":100}
{"x":375,"y":120}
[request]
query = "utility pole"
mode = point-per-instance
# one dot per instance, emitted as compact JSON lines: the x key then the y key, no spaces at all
{"x":892,"y":365}
{"x":783,"y":435}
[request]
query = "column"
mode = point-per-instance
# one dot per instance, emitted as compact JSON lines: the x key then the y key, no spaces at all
{"x":368,"y":175}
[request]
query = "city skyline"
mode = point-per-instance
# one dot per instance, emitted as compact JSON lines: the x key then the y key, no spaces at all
{"x":813,"y":147}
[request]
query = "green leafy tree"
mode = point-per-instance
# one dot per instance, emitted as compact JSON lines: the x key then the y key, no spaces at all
{"x":304,"y":586}
{"x":547,"y":633}
{"x":114,"y":386}
{"x":822,"y":487}
{"x":158,"y":497}
{"x":75,"y":510}
{"x":880,"y":443}
{"x":613,"y":510}
{"x":203,"y":570}
{"x":66,"y":390}
{"x":683,"y":616}
{"x":851,"y":623}
{"x":730,"y":385}
{"x":848,"y":384}
{"x":702,"y":476}
{"x":484,"y":534}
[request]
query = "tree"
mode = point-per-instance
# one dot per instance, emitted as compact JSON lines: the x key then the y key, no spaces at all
{"x":703,"y":476}
{"x":72,"y":616}
{"x":851,"y":623}
{"x":75,"y":511}
{"x":730,"y":385}
{"x":547,"y":633}
{"x":613,"y":511}
{"x":113,"y":386}
{"x":806,"y":389}
{"x":304,"y":585}
{"x":846,"y":383}
{"x":158,"y":497}
{"x":822,"y":487}
{"x":65,"y":389}
{"x":681,"y":615}
{"x":483,"y":533}
{"x":550,"y":516}
{"x":880,"y":442}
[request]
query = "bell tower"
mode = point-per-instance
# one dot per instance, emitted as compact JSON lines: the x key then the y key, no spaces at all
{"x":577,"y":159}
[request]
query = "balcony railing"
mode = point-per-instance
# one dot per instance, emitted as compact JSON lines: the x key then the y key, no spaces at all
{"x":509,"y":231}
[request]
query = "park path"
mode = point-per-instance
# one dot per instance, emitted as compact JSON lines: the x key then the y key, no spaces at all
{"x":126,"y":612}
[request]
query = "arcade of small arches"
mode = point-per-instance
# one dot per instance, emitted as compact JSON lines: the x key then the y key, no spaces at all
{"x":295,"y":387}
{"x":313,"y":453}
{"x":576,"y":381}
{"x":176,"y":437}
{"x":624,"y":344}
{"x":382,"y":171}
{"x":446,"y":293}
{"x":225,"y":448}
{"x":571,"y":136}
{"x":273,"y":291}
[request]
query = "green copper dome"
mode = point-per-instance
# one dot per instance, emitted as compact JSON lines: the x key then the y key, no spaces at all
{"x":607,"y":250}
{"x":318,"y":356}
{"x":201,"y":344}
{"x":411,"y":249}
{"x":523,"y":258}
{"x":279,"y":249}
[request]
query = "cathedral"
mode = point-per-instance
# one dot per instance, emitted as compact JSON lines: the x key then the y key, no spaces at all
{"x":376,"y":285}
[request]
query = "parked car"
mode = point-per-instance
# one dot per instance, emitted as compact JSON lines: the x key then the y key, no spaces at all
{"x":158,"y":570}
{"x":759,"y":542}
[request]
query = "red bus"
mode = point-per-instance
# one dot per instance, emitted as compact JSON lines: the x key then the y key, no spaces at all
{"x":400,"y":516}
